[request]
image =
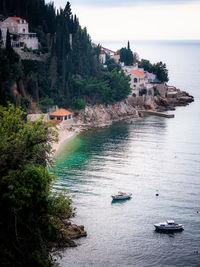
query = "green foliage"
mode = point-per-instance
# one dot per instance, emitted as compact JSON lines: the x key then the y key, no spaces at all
{"x":112,"y":64}
{"x":120,"y":87}
{"x":31,"y":216}
{"x":77,"y":103}
{"x":126,"y":55}
{"x":159,"y":69}
{"x":71,"y":75}
{"x":113,"y":86}
{"x":10,"y":71}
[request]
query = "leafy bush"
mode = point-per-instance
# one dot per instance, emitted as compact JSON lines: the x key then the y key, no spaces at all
{"x":77,"y":103}
{"x":31,"y":215}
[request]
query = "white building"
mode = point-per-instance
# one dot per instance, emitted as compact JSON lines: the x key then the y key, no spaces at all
{"x":138,"y":81}
{"x":3,"y":30}
{"x":20,"y":28}
{"x":102,"y":57}
{"x":141,"y":81}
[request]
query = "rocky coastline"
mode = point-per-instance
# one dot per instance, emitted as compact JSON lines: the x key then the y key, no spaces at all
{"x":69,"y":233}
{"x":101,"y":115}
{"x":167,"y":98}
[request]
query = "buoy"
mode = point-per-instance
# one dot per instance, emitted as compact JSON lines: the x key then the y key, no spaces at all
{"x":157,"y":194}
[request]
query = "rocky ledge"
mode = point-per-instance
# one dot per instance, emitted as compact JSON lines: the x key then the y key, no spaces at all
{"x":105,"y":115}
{"x":165,"y":98}
{"x":172,"y":97}
{"x":68,"y":233}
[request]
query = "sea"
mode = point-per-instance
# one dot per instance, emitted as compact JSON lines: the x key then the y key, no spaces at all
{"x":153,"y":155}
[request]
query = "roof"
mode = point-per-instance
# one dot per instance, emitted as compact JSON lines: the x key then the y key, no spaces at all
{"x":107,"y":50}
{"x":137,"y":72}
{"x":17,"y":19}
{"x":61,"y":112}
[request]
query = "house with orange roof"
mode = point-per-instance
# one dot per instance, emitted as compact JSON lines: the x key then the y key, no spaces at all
{"x":20,"y":28}
{"x":138,"y":81}
{"x":61,"y":115}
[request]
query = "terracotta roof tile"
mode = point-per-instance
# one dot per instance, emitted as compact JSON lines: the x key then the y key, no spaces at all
{"x":137,"y":72}
{"x":17,"y":19}
{"x":61,"y":112}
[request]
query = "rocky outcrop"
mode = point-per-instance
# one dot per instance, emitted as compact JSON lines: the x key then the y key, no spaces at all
{"x":69,"y":233}
{"x":166,"y":98}
{"x":104,"y":115}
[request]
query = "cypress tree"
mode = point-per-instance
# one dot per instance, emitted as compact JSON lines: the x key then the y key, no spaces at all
{"x":8,"y":43}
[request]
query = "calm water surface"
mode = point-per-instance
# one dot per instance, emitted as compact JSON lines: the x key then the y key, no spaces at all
{"x":151,"y":154}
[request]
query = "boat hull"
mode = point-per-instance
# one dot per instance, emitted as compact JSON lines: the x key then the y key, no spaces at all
{"x":120,"y":198}
{"x":168,"y":228}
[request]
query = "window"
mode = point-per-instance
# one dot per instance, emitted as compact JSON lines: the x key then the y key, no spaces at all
{"x":24,"y":30}
{"x":69,"y":117}
{"x":65,"y":117}
{"x":135,"y":80}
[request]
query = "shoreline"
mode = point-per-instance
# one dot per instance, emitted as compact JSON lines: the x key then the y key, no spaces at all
{"x":99,"y":116}
{"x":64,"y":136}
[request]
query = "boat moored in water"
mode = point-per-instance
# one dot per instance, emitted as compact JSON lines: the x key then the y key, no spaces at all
{"x":121,"y":196}
{"x":169,"y":225}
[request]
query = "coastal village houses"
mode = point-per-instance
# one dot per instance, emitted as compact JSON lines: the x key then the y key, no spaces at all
{"x":142,"y":82}
{"x":20,"y":35}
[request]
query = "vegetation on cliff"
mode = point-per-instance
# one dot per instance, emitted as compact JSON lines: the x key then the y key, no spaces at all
{"x":71,"y":58}
{"x":31,"y":215}
{"x":126,"y":55}
{"x":159,"y":69}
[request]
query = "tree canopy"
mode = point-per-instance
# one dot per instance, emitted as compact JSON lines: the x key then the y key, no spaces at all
{"x":126,"y":55}
{"x":70,"y":56}
{"x":159,"y":69}
{"x":31,"y":215}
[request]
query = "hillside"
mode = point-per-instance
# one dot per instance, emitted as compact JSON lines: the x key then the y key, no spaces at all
{"x":70,"y":75}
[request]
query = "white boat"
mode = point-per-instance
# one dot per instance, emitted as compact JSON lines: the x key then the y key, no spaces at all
{"x":169,"y":225}
{"x":121,"y":196}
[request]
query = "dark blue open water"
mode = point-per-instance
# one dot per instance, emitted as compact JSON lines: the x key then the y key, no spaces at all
{"x":151,"y":154}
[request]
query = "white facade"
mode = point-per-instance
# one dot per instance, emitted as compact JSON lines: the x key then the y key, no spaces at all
{"x":20,"y":27}
{"x":3,"y":30}
{"x":138,"y":80}
{"x":16,"y":25}
{"x":102,"y":58}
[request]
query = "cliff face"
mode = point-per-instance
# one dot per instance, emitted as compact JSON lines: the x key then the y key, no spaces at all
{"x":103,"y":115}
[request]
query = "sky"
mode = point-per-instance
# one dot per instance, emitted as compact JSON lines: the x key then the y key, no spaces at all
{"x":138,"y":19}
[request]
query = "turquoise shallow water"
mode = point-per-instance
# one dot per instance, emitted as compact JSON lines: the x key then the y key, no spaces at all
{"x":151,"y":154}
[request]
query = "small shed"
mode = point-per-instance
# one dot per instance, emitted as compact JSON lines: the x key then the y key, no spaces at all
{"x":61,"y":114}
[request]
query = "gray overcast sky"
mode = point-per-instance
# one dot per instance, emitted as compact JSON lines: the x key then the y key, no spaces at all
{"x":138,"y":19}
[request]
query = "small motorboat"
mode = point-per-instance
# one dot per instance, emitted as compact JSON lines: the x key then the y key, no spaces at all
{"x":169,"y":225}
{"x":121,"y":196}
